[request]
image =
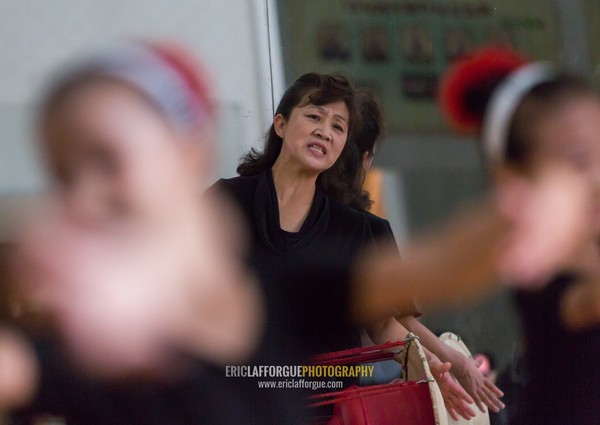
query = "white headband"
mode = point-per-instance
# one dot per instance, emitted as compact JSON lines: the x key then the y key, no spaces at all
{"x":504,"y":102}
{"x":145,"y":69}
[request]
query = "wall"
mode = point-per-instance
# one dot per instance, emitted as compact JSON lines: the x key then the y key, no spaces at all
{"x":36,"y":36}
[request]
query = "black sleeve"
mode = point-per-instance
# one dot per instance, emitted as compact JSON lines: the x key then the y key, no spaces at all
{"x":222,"y":186}
{"x":241,"y":190}
{"x":382,"y":232}
{"x":384,"y":237}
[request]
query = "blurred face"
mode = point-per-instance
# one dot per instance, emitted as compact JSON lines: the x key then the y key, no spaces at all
{"x":314,"y":136}
{"x":570,"y":134}
{"x":112,"y":154}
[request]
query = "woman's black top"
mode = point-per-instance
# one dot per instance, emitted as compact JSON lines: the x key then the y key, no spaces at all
{"x":563,"y":367}
{"x":328,"y":221}
{"x":384,"y":237}
{"x":329,"y":227}
{"x":380,"y":229}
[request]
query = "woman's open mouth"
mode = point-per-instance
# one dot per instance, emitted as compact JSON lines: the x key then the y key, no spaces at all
{"x":318,"y":148}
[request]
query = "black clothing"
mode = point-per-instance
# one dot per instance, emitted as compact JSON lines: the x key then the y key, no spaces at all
{"x":329,"y":225}
{"x":328,"y":221}
{"x":384,"y":237}
{"x":563,"y":385}
{"x":380,"y":229}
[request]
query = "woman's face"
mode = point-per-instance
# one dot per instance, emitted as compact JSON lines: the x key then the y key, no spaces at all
{"x":313,"y":136}
{"x":570,"y":133}
{"x":113,"y":155}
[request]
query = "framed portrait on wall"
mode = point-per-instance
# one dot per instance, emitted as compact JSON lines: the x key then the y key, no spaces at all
{"x":419,"y":86}
{"x":375,"y":44}
{"x":416,"y":44}
{"x":458,"y":41}
{"x":333,"y":43}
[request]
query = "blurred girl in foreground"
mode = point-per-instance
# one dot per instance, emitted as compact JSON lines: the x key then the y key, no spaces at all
{"x":131,"y":268}
{"x":354,"y":168}
{"x":529,"y":115}
{"x":139,"y":273}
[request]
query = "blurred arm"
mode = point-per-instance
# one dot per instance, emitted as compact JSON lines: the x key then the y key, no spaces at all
{"x":531,"y":228}
{"x":19,"y":372}
{"x":580,"y":307}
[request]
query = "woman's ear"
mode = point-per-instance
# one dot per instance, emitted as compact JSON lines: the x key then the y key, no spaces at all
{"x":279,"y":124}
{"x":367,"y":160}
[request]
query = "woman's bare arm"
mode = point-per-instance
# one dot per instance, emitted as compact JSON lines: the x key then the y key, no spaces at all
{"x":530,"y":229}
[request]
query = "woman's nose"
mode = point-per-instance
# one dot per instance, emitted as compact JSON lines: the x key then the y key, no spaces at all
{"x":323,"y":131}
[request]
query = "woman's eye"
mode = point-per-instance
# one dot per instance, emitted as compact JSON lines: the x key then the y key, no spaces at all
{"x":314,"y":117}
{"x":339,"y":128}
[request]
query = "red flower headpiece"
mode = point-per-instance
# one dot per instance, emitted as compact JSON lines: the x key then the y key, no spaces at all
{"x":466,"y":75}
{"x":189,"y":70}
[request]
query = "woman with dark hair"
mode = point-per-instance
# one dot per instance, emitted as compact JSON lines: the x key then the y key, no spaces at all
{"x":280,"y":192}
{"x":278,"y":189}
{"x":355,"y":166}
{"x":528,"y":114}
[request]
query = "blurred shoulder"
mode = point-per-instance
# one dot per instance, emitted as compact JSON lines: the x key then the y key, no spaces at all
{"x":235,"y":184}
{"x":344,"y":212}
{"x":241,"y":188}
{"x":377,"y":224}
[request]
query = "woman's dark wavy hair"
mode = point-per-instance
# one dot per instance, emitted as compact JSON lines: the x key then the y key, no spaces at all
{"x":311,"y":88}
{"x":344,"y":181}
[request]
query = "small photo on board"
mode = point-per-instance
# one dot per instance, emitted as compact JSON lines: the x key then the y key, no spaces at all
{"x":459,"y":41}
{"x":419,"y":86}
{"x":333,"y":43}
{"x":416,"y":44}
{"x":375,"y":44}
